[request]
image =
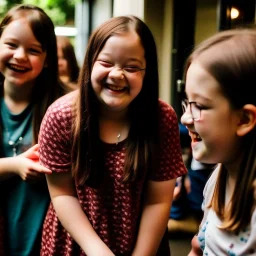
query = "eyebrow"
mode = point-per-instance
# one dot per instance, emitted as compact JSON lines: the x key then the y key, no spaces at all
{"x":38,"y":45}
{"x":198,"y":96}
{"x":129,"y":59}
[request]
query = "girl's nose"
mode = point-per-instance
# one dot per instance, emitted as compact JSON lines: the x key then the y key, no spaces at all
{"x":20,"y":54}
{"x":186,"y":118}
{"x":117,"y":73}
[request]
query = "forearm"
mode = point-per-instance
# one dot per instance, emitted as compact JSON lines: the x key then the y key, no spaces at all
{"x":78,"y":226}
{"x":152,"y":227}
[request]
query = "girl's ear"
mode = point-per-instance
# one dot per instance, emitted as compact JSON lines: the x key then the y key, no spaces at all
{"x":248,"y":120}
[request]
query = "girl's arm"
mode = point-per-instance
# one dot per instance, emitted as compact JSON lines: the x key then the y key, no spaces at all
{"x":155,"y":215}
{"x":25,"y":165}
{"x":71,"y":215}
{"x":195,"y":250}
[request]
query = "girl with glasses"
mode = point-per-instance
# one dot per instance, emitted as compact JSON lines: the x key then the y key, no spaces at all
{"x":114,"y":151}
{"x":220,"y":114}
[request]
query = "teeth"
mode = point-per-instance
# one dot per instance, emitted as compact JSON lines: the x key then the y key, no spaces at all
{"x":17,"y":67}
{"x":195,"y":136}
{"x":116,"y":88}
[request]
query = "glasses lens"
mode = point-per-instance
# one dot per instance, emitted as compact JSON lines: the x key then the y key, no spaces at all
{"x":195,"y":111}
{"x":184,"y":105}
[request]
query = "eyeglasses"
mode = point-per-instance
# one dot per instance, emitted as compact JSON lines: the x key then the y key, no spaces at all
{"x":126,"y":70}
{"x":195,"y":111}
{"x":129,"y":70}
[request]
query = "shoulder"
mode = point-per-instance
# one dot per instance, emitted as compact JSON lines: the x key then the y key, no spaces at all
{"x":167,"y":116}
{"x":165,"y":108}
{"x":59,"y":113}
{"x":64,"y":103}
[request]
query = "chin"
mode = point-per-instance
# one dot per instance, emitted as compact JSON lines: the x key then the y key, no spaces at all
{"x":199,"y":155}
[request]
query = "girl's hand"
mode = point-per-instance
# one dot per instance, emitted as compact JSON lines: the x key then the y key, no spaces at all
{"x":187,"y":184}
{"x":32,"y":153}
{"x":177,"y":189}
{"x":28,"y":167}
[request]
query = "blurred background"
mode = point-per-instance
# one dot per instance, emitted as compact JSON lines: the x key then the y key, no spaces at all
{"x":178,"y":25}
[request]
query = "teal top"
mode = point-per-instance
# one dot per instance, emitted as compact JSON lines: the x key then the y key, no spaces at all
{"x":25,"y":203}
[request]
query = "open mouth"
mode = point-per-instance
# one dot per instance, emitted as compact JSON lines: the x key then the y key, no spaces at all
{"x":17,"y":68}
{"x":195,"y":137}
{"x":116,"y":88}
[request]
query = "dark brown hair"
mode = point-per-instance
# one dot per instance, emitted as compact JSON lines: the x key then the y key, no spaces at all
{"x":141,"y":145}
{"x":69,"y":54}
{"x":47,"y":87}
{"x":230,"y":57}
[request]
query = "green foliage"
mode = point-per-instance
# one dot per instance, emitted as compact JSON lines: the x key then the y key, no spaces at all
{"x":60,"y":11}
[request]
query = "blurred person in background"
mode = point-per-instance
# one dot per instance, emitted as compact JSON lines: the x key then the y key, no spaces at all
{"x":68,"y":66}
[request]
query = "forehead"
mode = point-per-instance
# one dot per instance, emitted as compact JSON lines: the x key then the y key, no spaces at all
{"x":200,"y":83}
{"x":19,"y":29}
{"x":124,"y":44}
{"x":17,"y":25}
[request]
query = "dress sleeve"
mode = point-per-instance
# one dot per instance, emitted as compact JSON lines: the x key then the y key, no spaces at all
{"x":54,"y":137}
{"x":171,"y":164}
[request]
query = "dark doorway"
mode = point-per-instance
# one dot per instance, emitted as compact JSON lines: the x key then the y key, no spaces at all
{"x":184,"y":12}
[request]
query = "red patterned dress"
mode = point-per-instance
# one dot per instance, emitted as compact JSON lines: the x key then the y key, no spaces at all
{"x":114,"y":208}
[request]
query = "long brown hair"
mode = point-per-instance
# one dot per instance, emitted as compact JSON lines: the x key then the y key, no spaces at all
{"x":230,"y":57}
{"x":141,"y":145}
{"x":69,"y":54}
{"x":48,"y":87}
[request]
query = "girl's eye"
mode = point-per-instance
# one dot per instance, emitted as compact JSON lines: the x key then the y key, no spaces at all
{"x":132,"y":69}
{"x":200,"y":107}
{"x":12,"y":45}
{"x":34,"y":51}
{"x":105,"y":63}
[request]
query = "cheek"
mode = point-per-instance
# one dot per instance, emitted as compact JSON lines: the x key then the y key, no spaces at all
{"x":93,"y":76}
{"x":136,"y":85}
{"x":38,"y":65}
{"x":5,"y":55}
{"x":215,"y":136}
{"x":98,"y":75}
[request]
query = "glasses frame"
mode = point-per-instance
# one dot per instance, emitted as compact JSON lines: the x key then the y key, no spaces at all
{"x":126,"y":72}
{"x":195,"y":112}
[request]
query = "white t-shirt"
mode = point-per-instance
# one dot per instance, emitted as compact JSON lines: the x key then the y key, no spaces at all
{"x":214,"y":241}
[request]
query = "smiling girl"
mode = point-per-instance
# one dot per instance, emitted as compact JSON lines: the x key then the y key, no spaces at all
{"x":220,"y":114}
{"x":28,"y":84}
{"x":114,"y":151}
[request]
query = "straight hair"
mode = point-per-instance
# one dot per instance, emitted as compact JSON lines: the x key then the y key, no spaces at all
{"x":230,"y":57}
{"x":48,"y":87}
{"x":142,"y":143}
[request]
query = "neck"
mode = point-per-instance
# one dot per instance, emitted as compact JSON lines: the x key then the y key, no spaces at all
{"x":64,"y":78}
{"x":14,"y":105}
{"x":17,"y":98}
{"x":115,"y":116}
{"x":113,"y":131}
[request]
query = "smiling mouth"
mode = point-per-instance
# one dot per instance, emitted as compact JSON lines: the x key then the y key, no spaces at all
{"x":195,"y":137}
{"x":17,"y":68}
{"x":116,"y":88}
